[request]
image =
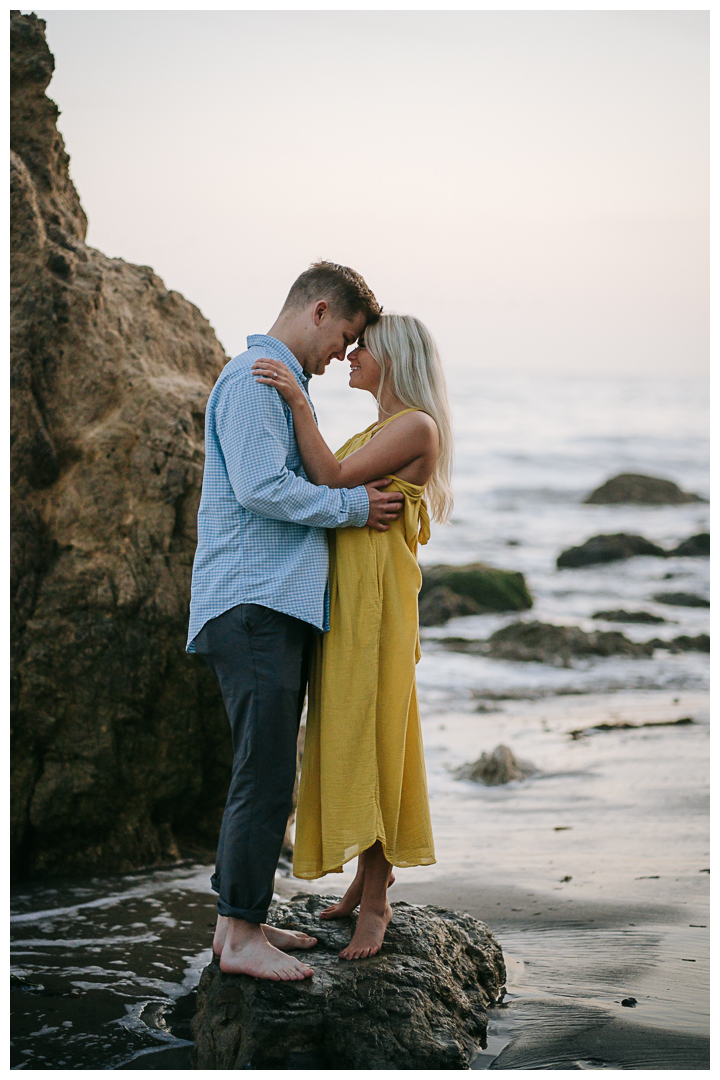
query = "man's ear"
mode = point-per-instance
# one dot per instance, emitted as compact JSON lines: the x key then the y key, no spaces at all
{"x":320,"y":311}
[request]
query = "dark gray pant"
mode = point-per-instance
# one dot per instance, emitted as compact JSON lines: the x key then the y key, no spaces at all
{"x":260,"y":658}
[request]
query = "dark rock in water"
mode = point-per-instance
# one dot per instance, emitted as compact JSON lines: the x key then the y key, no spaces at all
{"x":549,"y":644}
{"x":419,"y":1004}
{"x":697,"y":545}
{"x":681,"y":599}
{"x":489,"y":588}
{"x":645,"y":490}
{"x":439,"y":604}
{"x":608,"y":548}
{"x":499,"y":767}
{"x":629,"y":616}
{"x":120,"y":742}
{"x":629,"y":1002}
{"x":684,"y":643}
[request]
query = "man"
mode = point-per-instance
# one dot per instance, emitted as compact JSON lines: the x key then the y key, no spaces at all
{"x":259,"y":593}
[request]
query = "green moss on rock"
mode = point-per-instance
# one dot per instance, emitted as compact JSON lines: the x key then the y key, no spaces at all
{"x":491,"y":589}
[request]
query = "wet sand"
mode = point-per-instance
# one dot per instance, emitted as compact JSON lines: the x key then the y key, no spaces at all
{"x":593,"y":876}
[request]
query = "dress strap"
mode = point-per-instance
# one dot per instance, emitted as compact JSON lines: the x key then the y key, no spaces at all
{"x":376,"y":427}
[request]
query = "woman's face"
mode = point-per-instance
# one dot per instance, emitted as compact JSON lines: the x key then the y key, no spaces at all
{"x":364,"y":369}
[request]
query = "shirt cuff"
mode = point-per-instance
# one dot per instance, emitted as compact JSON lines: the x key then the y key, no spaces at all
{"x":358,"y":506}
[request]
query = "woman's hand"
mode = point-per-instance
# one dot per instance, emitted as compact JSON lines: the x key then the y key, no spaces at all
{"x":278,"y":374}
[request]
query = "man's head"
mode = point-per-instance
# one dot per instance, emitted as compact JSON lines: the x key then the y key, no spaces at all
{"x":326,"y":310}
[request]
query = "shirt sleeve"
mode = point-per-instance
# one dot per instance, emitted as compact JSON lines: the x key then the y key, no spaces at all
{"x":255,"y":440}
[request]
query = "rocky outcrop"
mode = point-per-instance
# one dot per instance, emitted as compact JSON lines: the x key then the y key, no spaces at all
{"x":629,"y":616}
{"x":473,"y":589}
{"x":644,"y":490}
{"x":681,"y":599}
{"x":546,"y":643}
{"x":608,"y":548}
{"x":499,"y":767}
{"x":419,"y":1004}
{"x":438,"y":605}
{"x":119,"y":739}
{"x":684,"y":643}
{"x":695,"y":546}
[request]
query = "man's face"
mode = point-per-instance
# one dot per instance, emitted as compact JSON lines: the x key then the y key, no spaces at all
{"x":330,"y":337}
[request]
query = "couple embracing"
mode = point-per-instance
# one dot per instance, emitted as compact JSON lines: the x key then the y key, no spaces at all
{"x":306,"y":579}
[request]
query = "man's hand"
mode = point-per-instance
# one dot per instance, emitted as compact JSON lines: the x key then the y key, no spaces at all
{"x":385,"y":506}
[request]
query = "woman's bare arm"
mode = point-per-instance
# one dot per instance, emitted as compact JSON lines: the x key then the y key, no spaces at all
{"x":396,"y":446}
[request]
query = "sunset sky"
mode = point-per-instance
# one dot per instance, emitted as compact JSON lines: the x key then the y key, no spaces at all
{"x":532,"y":184}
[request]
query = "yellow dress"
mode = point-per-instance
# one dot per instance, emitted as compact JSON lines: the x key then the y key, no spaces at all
{"x":363,"y":771}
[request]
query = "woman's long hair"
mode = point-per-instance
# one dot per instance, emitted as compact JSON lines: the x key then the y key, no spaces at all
{"x":408,"y":358}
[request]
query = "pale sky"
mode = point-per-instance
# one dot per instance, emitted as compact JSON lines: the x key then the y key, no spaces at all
{"x":531,"y":184}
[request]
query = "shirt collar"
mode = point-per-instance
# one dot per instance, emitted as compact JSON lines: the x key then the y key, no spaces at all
{"x":279,"y":351}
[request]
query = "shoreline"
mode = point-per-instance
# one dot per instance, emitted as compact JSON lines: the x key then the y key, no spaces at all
{"x":591,"y":874}
{"x":570,"y":969}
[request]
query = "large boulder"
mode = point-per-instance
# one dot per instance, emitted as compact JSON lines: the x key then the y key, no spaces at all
{"x":418,"y":1004}
{"x":645,"y":490}
{"x":468,"y":590}
{"x":119,"y":740}
{"x":608,"y":548}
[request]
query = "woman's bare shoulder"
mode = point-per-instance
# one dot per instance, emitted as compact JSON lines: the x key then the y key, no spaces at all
{"x":412,"y":422}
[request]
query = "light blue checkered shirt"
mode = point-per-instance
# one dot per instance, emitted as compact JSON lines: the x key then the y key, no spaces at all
{"x":261,"y":523}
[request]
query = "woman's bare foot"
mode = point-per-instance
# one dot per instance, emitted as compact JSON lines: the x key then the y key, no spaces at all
{"x":350,"y":900}
{"x":285,"y":940}
{"x":247,"y":951}
{"x":375,"y":912}
{"x":369,"y":933}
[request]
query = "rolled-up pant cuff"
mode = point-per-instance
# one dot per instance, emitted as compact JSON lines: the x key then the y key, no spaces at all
{"x":240,"y":913}
{"x":230,"y":912}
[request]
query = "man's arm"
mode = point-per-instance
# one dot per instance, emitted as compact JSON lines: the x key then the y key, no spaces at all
{"x":254,"y":437}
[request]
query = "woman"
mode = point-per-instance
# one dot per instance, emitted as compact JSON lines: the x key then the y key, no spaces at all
{"x":363,"y":790}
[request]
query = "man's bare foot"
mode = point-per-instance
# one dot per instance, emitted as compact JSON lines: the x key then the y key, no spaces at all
{"x":248,"y":952}
{"x":221,"y":928}
{"x":287,"y":940}
{"x":350,"y":900}
{"x":369,"y":934}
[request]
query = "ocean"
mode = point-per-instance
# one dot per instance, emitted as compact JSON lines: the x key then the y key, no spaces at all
{"x":614,"y":816}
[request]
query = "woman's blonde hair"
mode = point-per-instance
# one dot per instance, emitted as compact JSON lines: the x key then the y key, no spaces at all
{"x":408,"y":358}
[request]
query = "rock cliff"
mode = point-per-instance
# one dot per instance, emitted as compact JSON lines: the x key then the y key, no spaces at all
{"x":119,"y":739}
